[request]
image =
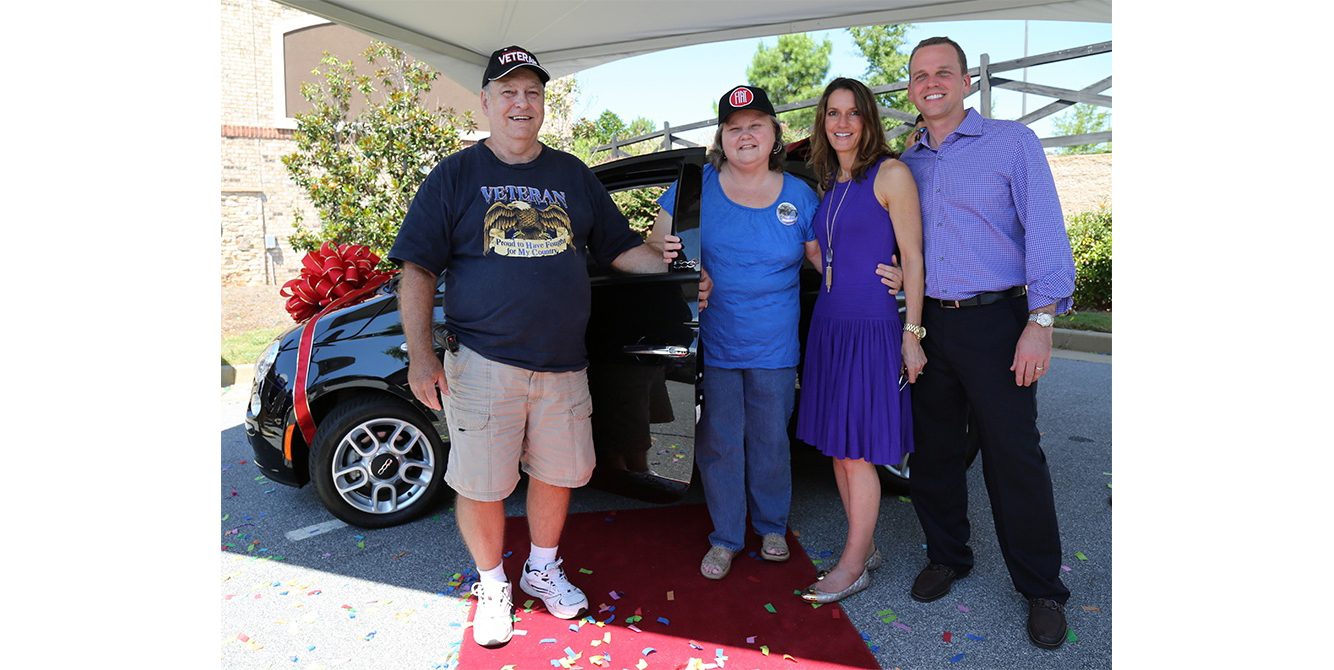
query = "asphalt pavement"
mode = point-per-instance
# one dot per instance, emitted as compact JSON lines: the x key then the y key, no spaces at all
{"x":301,"y":590}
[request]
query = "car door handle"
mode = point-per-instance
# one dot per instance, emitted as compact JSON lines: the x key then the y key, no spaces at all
{"x":670,"y":351}
{"x":436,"y":345}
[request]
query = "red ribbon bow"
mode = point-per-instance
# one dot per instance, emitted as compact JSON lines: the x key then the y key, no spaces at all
{"x":330,"y":279}
{"x":329,"y":274}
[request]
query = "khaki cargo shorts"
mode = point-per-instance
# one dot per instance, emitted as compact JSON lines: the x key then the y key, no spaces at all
{"x":502,"y":417}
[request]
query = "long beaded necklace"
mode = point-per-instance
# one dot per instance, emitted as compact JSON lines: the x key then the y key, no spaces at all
{"x":829,"y":235}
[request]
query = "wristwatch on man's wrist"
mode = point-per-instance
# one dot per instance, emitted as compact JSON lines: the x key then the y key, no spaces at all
{"x":1042,"y":319}
{"x":919,"y":331}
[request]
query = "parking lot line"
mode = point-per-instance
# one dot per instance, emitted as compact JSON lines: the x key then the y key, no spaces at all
{"x":311,"y":531}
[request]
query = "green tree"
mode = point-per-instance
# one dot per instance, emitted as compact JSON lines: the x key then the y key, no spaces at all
{"x":792,"y":70}
{"x":1084,"y":118}
{"x":588,"y":134}
{"x":558,"y":127}
{"x":639,"y":205}
{"x":886,"y":64}
{"x":361,"y":171}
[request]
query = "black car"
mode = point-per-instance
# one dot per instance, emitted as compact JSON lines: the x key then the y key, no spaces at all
{"x":377,"y":456}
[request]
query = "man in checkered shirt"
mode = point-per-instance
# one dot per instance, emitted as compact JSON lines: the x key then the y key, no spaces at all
{"x":998,"y":267}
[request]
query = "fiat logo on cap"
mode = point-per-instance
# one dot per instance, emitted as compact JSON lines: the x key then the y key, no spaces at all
{"x":742,"y":96}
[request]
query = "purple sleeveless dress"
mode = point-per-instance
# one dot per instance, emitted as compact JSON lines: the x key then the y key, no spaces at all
{"x":851,"y":405}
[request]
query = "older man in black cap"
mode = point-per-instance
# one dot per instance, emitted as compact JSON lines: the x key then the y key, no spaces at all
{"x":506,"y":222}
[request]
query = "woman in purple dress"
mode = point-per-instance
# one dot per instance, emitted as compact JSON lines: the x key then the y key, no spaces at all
{"x":853,"y":406}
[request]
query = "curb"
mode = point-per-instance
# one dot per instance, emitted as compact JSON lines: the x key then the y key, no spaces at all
{"x":239,"y":375}
{"x":1061,"y":338}
{"x":1086,"y":341}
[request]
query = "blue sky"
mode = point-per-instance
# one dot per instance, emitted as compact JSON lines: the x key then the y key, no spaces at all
{"x":681,"y":85}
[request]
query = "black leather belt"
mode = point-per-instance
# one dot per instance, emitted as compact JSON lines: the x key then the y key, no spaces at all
{"x":983,"y":298}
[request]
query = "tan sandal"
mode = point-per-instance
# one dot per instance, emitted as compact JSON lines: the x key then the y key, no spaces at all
{"x":774,"y":548}
{"x":718,"y":559}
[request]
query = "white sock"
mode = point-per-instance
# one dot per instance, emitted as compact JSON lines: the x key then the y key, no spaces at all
{"x":538,"y":557}
{"x":496,"y":574}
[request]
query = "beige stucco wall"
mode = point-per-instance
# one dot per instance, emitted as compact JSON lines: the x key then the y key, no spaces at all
{"x":1083,"y":182}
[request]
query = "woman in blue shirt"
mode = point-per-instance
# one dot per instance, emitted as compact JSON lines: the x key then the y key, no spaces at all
{"x":755,"y":229}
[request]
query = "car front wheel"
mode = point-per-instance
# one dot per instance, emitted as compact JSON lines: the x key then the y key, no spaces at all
{"x":376,"y":463}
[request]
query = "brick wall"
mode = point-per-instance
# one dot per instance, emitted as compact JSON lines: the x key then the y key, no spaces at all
{"x":257,"y":198}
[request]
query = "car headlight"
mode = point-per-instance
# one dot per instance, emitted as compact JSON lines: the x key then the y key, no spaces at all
{"x":262,"y":368}
{"x":266,"y":359}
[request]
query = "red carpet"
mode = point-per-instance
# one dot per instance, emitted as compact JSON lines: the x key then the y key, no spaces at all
{"x":650,"y":559}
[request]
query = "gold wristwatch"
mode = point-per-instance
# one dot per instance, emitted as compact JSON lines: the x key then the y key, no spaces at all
{"x":919,"y":331}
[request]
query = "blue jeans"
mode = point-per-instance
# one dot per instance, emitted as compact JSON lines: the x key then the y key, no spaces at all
{"x":743,"y":453}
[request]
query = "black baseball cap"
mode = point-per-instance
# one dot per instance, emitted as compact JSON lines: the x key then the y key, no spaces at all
{"x":507,"y":60}
{"x":744,"y":97}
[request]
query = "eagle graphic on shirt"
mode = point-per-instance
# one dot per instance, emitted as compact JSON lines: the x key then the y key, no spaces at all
{"x":521,"y":230}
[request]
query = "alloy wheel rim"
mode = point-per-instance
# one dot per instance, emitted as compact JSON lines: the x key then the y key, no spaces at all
{"x":383,"y":465}
{"x":901,"y":470}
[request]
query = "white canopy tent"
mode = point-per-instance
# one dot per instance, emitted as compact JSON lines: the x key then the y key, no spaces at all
{"x":457,"y":36}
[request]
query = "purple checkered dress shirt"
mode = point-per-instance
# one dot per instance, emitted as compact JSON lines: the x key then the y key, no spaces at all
{"x":991,"y":219}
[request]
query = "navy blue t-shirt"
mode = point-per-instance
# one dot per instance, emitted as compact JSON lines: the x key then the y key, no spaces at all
{"x":510,"y":240}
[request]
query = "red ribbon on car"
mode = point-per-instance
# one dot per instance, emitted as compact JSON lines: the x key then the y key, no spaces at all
{"x":331,"y":278}
{"x":327,"y":275}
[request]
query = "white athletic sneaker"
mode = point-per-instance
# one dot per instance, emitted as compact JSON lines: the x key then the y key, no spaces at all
{"x":493,"y":624}
{"x":562,"y":598}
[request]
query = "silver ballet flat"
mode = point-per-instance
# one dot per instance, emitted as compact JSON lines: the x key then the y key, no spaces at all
{"x":813,"y":593}
{"x":875,"y":560}
{"x":872,"y":562}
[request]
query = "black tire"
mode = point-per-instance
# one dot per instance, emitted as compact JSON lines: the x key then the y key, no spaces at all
{"x":895,"y":478}
{"x":369,"y":433}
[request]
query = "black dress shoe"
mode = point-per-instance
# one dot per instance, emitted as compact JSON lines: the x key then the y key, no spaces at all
{"x":1046,"y":622}
{"x":934,"y":581}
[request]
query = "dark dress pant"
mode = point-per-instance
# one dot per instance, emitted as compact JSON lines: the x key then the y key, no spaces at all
{"x":969,"y":352}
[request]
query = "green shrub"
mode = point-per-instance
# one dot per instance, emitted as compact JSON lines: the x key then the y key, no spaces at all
{"x":1091,"y":240}
{"x":640,"y":206}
